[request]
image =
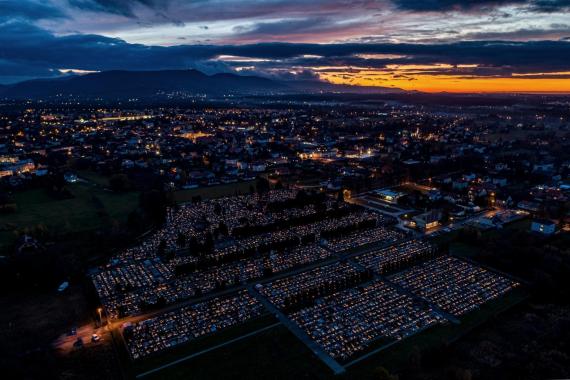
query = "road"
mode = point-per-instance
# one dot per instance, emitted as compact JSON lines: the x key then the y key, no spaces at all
{"x":65,"y":343}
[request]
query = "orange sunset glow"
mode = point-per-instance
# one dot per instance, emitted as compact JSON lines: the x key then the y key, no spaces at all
{"x":425,"y":78}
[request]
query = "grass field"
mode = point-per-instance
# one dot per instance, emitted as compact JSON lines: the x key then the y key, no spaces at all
{"x":89,"y":209}
{"x":94,"y":177}
{"x":272,"y":354}
{"x":463,"y":250}
{"x":211,"y":192}
{"x":446,"y":238}
{"x":92,"y":207}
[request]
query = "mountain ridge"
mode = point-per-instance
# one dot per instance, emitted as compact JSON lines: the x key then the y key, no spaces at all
{"x":144,"y":84}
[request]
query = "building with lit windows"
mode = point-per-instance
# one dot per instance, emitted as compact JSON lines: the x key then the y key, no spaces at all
{"x":543,"y":226}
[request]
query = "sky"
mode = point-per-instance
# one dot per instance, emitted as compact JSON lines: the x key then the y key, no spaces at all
{"x":424,"y":45}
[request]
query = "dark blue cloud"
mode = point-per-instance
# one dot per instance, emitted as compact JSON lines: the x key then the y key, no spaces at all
{"x":13,"y":71}
{"x":287,"y":28}
{"x":544,"y":6}
{"x":551,"y":32}
{"x":533,"y":55}
{"x":446,"y":5}
{"x":42,"y":54}
{"x":120,"y":7}
{"x":550,"y":6}
{"x":245,"y":8}
{"x":30,"y":10}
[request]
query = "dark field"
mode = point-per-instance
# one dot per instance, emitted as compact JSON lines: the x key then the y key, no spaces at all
{"x":90,"y":208}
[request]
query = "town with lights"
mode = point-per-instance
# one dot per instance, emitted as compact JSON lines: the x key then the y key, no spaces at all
{"x":284,"y":189}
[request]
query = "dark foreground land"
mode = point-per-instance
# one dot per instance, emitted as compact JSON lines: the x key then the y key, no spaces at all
{"x":528,"y":341}
{"x":522,"y":335}
{"x":495,"y":350}
{"x":29,"y":325}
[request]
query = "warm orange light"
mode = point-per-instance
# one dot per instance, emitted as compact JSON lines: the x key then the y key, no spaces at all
{"x":422,"y":78}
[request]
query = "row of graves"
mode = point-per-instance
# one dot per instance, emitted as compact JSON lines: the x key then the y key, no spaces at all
{"x":347,"y":303}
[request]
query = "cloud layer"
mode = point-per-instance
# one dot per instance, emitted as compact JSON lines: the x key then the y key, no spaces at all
{"x":332,"y":39}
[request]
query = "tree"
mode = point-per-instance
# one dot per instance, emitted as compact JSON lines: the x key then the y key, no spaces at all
{"x":209,"y":242}
{"x":463,"y":374}
{"x":415,"y":359}
{"x":161,"y":249}
{"x":194,"y":246}
{"x":262,"y":185}
{"x":223,"y":229}
{"x":154,"y":204}
{"x":181,"y":240}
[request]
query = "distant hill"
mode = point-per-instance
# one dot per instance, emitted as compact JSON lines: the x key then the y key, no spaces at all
{"x":308,"y":86}
{"x":145,"y":84}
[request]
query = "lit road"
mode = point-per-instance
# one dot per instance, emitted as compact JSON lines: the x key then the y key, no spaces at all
{"x":66,"y":343}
